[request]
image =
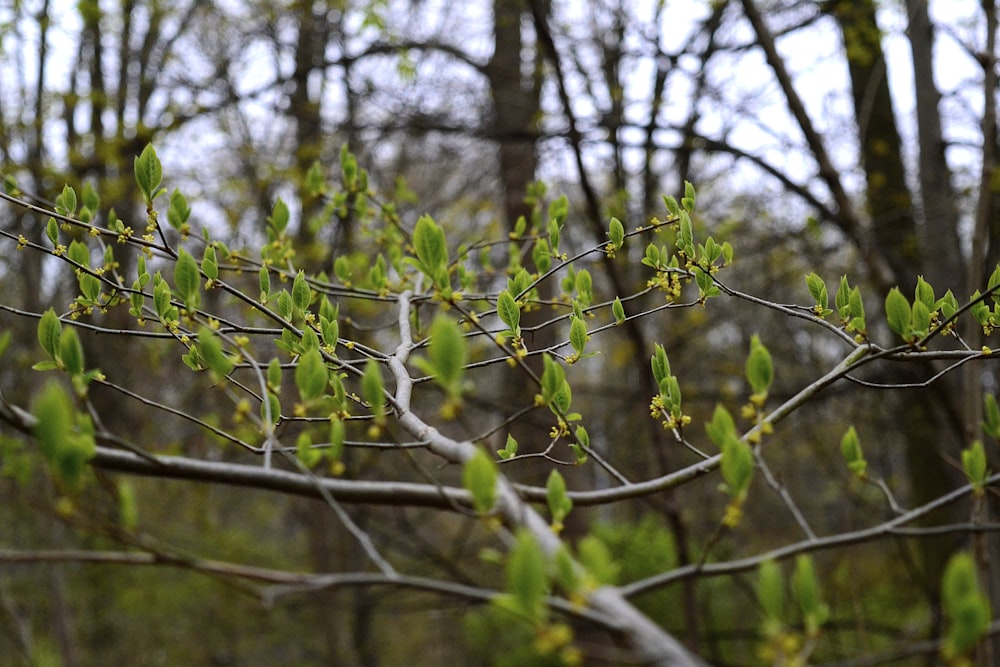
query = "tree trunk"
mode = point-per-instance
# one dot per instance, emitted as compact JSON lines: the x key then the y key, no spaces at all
{"x":516,"y":106}
{"x":937,"y":197}
{"x":928,"y":426}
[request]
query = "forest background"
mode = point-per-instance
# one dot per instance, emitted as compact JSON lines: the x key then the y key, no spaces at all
{"x":497,"y":171}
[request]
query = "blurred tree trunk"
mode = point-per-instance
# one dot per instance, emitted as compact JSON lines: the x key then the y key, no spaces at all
{"x":889,"y":240}
{"x":985,"y":256}
{"x":515,"y":88}
{"x":31,"y":263}
{"x":887,"y":198}
{"x":304,"y":107}
{"x":938,"y":208}
{"x":931,"y":426}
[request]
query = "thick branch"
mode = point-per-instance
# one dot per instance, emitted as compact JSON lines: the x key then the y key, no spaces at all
{"x":651,"y":642}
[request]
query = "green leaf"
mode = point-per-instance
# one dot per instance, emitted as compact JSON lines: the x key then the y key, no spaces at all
{"x":178,"y":211}
{"x":315,"y":180}
{"x":52,"y":231}
{"x":66,"y":201}
{"x":924,"y":293}
{"x":328,"y":310}
{"x":920,"y":321}
{"x":338,"y":433}
{"x":429,"y":244}
{"x":559,"y":209}
{"x":618,"y":310}
{"x":562,"y":400}
{"x":711,"y":251}
{"x":850,"y":447}
{"x":737,"y":466}
{"x":187,"y":279}
{"x":330,"y":329}
{"x":652,"y":257}
{"x":727,"y":253}
{"x":805,"y":588}
{"x":510,"y":448}
{"x":479,"y":477}
{"x":526,"y":578}
{"x":65,"y":446}
{"x":264,"y":277}
{"x":71,"y":352}
{"x":148,"y":173}
{"x":274,"y":375}
{"x":210,"y":263}
{"x":661,"y":367}
{"x":509,"y":311}
{"x":843,"y":299}
{"x":897,"y":312}
{"x":948,"y":305}
{"x":706,"y":284}
{"x":541,"y":255}
{"x":128,"y":511}
{"x":91,"y":199}
{"x":161,"y":299}
{"x":685,"y":235}
{"x":817,"y":289}
{"x":991,"y":414}
{"x":857,"y":309}
{"x":578,"y":334}
{"x":54,"y":411}
{"x":304,"y":449}
{"x":759,"y":370}
{"x":520,"y":226}
{"x":279,"y":216}
{"x":688,"y":201}
{"x":79,"y":253}
{"x":372,"y":391}
{"x":90,"y":287}
{"x":980,"y":311}
{"x":284,"y":305}
{"x":274,"y":405}
{"x":141,"y":272}
{"x":966,"y":608}
{"x":554,"y":229}
{"x":210,"y":348}
{"x":553,"y":378}
{"x":348,"y":167}
{"x":566,"y":573}
{"x":558,"y":501}
{"x":771,"y":589}
{"x":448,"y":354}
{"x":311,"y":375}
{"x":109,"y":256}
{"x":993,"y":283}
{"x":5,"y":339}
{"x":301,"y":294}
{"x":616,"y":232}
{"x":721,"y":429}
{"x":974,"y":465}
{"x":670,"y":203}
{"x":50,"y":333}
{"x":596,"y":558}
{"x":584,"y":287}
{"x":309,"y":340}
{"x":519,"y":282}
{"x":339,"y":393}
